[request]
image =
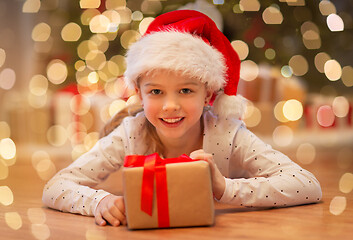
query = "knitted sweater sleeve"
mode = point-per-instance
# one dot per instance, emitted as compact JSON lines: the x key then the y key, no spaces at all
{"x":270,"y":178}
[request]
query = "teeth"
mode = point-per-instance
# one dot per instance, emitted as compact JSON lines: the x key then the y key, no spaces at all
{"x":171,"y":120}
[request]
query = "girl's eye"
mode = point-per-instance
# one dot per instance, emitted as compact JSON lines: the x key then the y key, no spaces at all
{"x":156,"y":91}
{"x":185,"y":91}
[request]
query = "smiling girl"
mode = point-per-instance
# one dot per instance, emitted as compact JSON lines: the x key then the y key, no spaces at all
{"x":185,"y":72}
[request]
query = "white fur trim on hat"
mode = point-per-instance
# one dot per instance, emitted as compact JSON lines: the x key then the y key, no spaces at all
{"x":176,"y":51}
{"x":229,"y":106}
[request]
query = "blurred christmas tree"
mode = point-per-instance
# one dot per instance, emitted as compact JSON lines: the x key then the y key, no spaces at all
{"x":297,"y":35}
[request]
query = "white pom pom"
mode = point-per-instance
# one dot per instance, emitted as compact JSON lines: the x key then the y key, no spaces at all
{"x":229,"y":106}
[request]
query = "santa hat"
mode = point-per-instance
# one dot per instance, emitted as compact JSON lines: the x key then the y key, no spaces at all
{"x":189,"y":42}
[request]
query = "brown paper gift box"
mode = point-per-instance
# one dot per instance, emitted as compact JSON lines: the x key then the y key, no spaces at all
{"x":189,"y":194}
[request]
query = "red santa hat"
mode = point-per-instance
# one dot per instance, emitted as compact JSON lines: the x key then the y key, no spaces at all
{"x":189,"y":42}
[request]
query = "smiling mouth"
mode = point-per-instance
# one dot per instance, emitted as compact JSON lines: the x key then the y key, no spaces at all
{"x":172,"y":120}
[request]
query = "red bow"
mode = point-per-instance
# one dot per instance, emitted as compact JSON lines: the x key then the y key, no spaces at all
{"x":155,"y":166}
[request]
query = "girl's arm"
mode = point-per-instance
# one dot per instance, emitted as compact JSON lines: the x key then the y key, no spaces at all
{"x":271,"y":180}
{"x":71,"y":189}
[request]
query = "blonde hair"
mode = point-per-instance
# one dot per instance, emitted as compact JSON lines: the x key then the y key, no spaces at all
{"x":150,"y":135}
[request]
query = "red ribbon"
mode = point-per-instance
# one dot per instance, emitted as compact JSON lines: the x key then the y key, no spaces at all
{"x":154,"y":166}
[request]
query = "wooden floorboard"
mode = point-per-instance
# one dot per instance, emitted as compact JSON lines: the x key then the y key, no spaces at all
{"x":27,"y":218}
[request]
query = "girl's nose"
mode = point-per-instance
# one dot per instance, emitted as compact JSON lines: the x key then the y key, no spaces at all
{"x":171,"y":104}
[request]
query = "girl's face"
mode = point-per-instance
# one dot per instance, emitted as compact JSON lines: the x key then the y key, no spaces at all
{"x":173,"y":104}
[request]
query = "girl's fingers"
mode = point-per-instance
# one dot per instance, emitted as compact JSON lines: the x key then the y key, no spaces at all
{"x":196,"y":153}
{"x":99,"y":220}
{"x":117,"y":214}
{"x":110,"y":218}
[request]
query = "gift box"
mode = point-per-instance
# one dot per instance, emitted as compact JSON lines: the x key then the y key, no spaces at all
{"x":161,"y":193}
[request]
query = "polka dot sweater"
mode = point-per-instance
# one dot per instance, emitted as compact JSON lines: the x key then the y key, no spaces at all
{"x":256,"y":175}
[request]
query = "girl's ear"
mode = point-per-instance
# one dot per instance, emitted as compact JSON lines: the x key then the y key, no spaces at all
{"x":209,"y":95}
{"x":138,"y":92}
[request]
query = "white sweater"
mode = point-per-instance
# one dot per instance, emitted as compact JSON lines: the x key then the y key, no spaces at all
{"x":255,"y":174}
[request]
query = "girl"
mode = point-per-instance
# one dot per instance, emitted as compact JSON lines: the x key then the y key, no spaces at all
{"x":181,"y":66}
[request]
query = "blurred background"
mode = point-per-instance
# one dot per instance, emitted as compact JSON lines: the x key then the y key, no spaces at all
{"x":61,"y":63}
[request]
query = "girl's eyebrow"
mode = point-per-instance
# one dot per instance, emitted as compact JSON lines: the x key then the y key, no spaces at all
{"x":151,"y":85}
{"x":190,"y":83}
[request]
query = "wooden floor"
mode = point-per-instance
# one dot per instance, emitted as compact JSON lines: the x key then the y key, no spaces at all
{"x":27,"y":218}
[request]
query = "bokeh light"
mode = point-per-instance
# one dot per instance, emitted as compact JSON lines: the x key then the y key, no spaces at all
{"x":335,"y":23}
{"x":13,"y":220}
{"x":327,"y":7}
{"x":45,"y":169}
{"x":95,"y":59}
{"x":80,"y":105}
{"x":347,"y":76}
{"x":333,"y":70}
{"x":115,"y":4}
{"x":116,"y":106}
{"x":340,"y":106}
{"x":87,"y":15}
{"x":286,"y":71}
{"x":320,"y":60}
{"x":134,"y":100}
{"x":114,"y":19}
{"x":346,"y":183}
{"x":57,"y":71}
{"x":151,"y":7}
{"x":38,"y":85}
{"x":85,"y":47}
{"x":249,"y":5}
{"x":2,"y":57}
{"x":57,"y":135}
{"x":252,"y":115}
{"x":278,"y":112}
{"x":6,"y":196}
{"x":40,"y":231}
{"x":7,"y":148}
{"x":36,"y":101}
{"x":99,"y":24}
{"x":293,"y":110}
{"x":249,"y":70}
{"x":137,"y":16}
{"x":4,"y":170}
{"x":259,"y":42}
{"x":5,"y":130}
{"x":41,"y":32}
{"x":144,"y":24}
{"x":77,"y":151}
{"x":101,"y":42}
{"x":299,"y":65}
{"x":90,"y":140}
{"x":71,"y":32}
{"x":282,"y":135}
{"x":306,"y":153}
{"x":7,"y":78}
{"x":38,"y":156}
{"x":36,"y":215}
{"x":270,"y":53}
{"x":338,"y":205}
{"x":129,"y":37}
{"x":95,"y":234}
{"x":90,"y":3}
{"x":311,"y":35}
{"x":125,"y":15}
{"x":272,"y":15}
{"x":31,"y":6}
{"x":241,"y":48}
{"x":325,"y":116}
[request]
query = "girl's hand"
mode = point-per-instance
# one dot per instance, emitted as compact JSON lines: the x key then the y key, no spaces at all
{"x":111,"y":209}
{"x":218,"y":182}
